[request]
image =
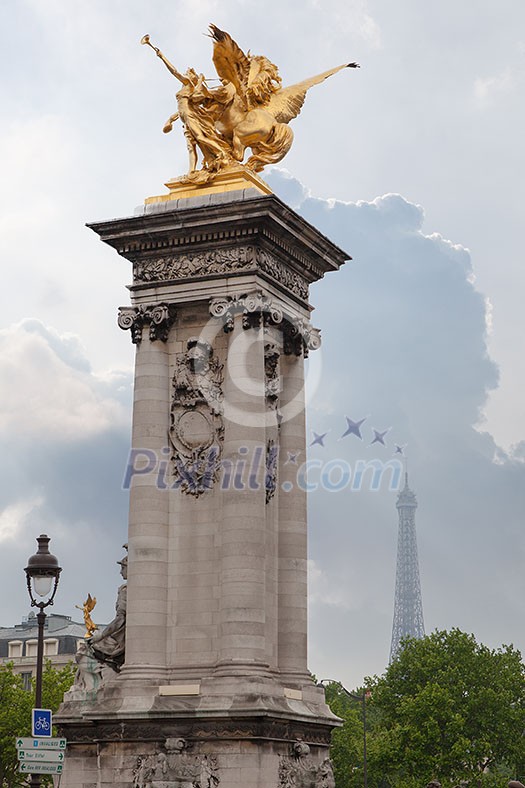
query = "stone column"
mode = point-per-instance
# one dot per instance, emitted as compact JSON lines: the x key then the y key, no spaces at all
{"x":214,"y":687}
{"x":242,"y":552}
{"x":146,"y":624}
{"x":292,"y":549}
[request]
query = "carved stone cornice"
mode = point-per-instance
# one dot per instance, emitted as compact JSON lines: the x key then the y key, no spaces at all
{"x":159,"y":318}
{"x":194,"y":730}
{"x":286,"y":241}
{"x":299,"y":336}
{"x":216,"y":262}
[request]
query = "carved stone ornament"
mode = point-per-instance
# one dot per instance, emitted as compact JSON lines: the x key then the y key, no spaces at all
{"x":200,"y":730}
{"x":300,"y":771}
{"x":196,"y":431}
{"x":219,"y":261}
{"x":176,"y":769}
{"x":159,"y":317}
{"x":299,"y":336}
{"x":272,"y":380}
{"x":270,"y":478}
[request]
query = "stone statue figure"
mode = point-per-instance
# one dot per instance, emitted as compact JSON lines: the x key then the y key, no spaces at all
{"x":104,"y":650}
{"x":250,"y":109}
{"x":89,"y":674}
{"x":108,"y":646}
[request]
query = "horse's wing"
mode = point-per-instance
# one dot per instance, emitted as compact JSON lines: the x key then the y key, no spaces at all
{"x":229,"y":60}
{"x":287,"y":103}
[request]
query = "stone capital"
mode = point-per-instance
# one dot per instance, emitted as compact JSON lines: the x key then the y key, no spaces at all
{"x":159,"y":318}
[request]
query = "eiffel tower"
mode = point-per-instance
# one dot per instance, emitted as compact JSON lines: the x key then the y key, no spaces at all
{"x":408,"y":605}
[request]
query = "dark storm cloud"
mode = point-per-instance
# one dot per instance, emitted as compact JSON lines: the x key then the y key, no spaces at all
{"x":65,"y":438}
{"x":404,"y":347}
{"x":405,"y":343}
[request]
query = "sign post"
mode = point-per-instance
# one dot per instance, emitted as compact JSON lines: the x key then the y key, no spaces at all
{"x":41,"y":722}
{"x":41,"y":754}
{"x":40,"y":768}
{"x":37,"y":756}
{"x":26,"y":743}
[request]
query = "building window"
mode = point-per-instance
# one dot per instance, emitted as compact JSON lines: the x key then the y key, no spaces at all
{"x":26,"y":678}
{"x":15,"y":649}
{"x":31,"y":647}
{"x":50,"y":647}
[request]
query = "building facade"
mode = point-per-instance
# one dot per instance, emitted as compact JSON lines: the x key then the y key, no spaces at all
{"x":18,"y":644}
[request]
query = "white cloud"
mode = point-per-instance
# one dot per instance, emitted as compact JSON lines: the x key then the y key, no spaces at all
{"x":12,"y":517}
{"x":350,"y":18}
{"x":35,"y":155}
{"x":488,"y":89}
{"x":405,"y":341}
{"x":48,"y":390}
{"x":321,"y":590}
{"x":489,"y":315}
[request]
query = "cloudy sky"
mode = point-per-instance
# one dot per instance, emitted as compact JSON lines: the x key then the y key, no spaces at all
{"x":414,"y":164}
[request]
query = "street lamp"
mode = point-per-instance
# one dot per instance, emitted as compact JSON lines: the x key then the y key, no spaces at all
{"x":362,"y":698}
{"x":42,"y":573}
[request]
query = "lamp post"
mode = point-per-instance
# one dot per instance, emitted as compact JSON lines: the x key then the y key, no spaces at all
{"x":362,"y":698}
{"x":42,"y":573}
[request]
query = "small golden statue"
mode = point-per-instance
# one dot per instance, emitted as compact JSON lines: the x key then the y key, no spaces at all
{"x":87,"y":607}
{"x":250,"y":109}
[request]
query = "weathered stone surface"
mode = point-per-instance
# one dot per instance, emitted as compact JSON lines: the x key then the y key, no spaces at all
{"x":216,"y":614}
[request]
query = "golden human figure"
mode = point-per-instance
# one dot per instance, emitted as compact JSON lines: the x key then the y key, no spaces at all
{"x":193,"y":104}
{"x":87,"y":607}
{"x":249,"y":110}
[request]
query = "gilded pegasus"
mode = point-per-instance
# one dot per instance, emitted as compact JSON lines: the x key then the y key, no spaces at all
{"x":249,"y":110}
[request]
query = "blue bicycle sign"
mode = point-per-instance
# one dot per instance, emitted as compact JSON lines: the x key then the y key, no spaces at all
{"x":42,"y":722}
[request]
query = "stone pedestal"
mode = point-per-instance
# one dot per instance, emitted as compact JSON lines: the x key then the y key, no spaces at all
{"x":215,"y":689}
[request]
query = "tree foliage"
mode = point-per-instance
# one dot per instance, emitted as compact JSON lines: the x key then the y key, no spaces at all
{"x":451,"y":709}
{"x":15,"y":720}
{"x":347,"y":742}
{"x":15,"y":713}
{"x":447,"y":708}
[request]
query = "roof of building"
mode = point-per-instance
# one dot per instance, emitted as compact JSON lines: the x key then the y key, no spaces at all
{"x":56,"y":625}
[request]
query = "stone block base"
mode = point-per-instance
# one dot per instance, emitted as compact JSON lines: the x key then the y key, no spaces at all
{"x":252,"y":752}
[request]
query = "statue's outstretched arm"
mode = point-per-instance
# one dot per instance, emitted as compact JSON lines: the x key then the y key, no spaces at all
{"x":171,"y":68}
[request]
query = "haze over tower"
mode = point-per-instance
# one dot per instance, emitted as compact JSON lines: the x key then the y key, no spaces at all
{"x":408,"y":605}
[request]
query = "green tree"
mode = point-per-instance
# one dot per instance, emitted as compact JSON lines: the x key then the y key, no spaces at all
{"x":346,"y":749}
{"x":15,"y":720}
{"x":56,"y":681}
{"x":15,"y":713}
{"x":449,"y":708}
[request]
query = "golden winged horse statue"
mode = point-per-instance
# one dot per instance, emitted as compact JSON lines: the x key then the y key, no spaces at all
{"x":250,"y":109}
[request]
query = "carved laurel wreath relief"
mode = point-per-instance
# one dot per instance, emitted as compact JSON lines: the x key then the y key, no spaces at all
{"x":197,"y":428}
{"x":196,"y":432}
